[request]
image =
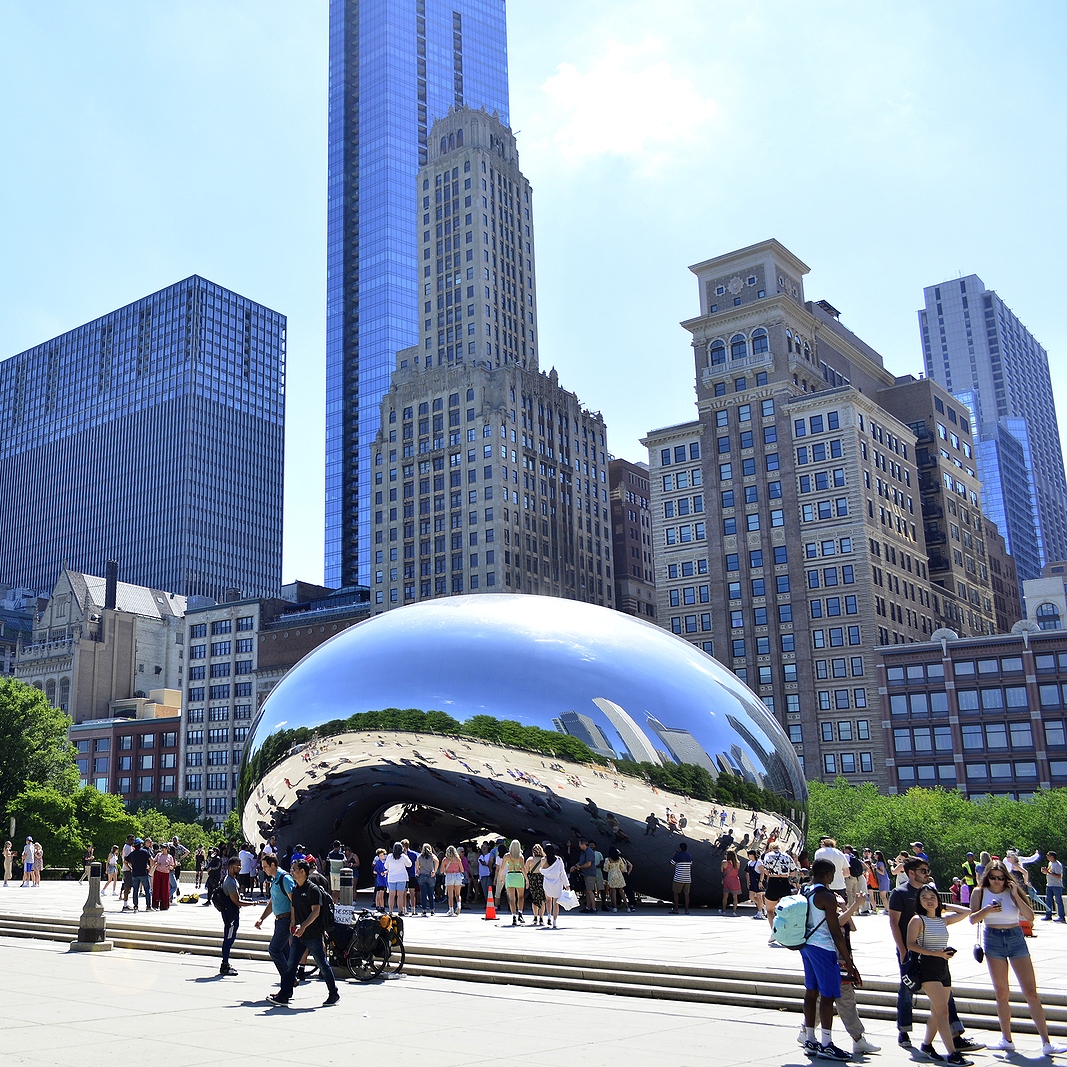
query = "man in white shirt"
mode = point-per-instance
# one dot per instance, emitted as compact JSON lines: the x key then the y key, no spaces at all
{"x":828,"y":850}
{"x":27,"y":862}
{"x":248,"y":867}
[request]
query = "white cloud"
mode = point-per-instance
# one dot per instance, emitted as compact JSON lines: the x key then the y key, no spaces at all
{"x":627,"y":103}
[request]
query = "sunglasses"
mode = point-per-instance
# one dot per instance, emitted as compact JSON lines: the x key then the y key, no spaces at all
{"x":996,"y":878}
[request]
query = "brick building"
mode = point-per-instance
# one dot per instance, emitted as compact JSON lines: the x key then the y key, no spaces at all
{"x":981,"y":714}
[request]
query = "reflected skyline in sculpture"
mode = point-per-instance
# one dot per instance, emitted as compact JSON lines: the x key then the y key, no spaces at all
{"x":515,"y":704}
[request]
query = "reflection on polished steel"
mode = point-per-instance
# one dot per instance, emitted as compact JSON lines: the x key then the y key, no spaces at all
{"x":627,"y":689}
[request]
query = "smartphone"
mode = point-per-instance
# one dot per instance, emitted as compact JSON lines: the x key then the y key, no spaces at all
{"x":951,"y":951}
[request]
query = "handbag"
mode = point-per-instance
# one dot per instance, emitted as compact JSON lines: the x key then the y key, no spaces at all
{"x":909,"y":971}
{"x":979,"y":952}
{"x":568,"y":899}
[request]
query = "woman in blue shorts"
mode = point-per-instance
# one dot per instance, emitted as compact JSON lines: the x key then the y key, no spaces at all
{"x":397,"y":867}
{"x":1000,"y":902}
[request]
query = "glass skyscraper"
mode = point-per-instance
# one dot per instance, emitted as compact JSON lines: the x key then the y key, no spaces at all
{"x":976,"y":347}
{"x":395,"y":67}
{"x":153,"y":436}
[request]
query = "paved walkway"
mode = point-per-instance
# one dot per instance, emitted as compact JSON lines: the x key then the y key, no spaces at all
{"x":649,"y":934}
{"x":58,"y":1005}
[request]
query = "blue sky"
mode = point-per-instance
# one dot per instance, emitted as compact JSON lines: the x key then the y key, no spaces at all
{"x":889,"y":146}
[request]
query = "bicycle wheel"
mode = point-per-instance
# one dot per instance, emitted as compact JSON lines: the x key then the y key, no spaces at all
{"x":395,"y":963}
{"x":375,"y":963}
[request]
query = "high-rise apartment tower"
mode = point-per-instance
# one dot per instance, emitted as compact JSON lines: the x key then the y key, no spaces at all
{"x":978,"y":349}
{"x":395,"y":67}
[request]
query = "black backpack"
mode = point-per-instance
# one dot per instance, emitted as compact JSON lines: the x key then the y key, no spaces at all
{"x":220,"y":899}
{"x":855,"y":868}
{"x":326,"y":912}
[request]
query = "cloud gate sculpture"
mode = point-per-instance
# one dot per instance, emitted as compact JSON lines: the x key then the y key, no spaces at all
{"x":503,"y":715}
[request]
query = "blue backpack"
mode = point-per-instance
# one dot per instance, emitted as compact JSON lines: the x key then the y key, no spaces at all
{"x":791,"y":920}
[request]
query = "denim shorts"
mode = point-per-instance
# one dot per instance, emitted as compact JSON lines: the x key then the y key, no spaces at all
{"x":1005,"y":943}
{"x":398,"y":887}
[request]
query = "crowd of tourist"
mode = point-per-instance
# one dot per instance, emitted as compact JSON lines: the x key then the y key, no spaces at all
{"x":836,"y":884}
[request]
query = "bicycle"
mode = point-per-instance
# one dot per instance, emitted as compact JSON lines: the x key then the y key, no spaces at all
{"x":372,"y":946}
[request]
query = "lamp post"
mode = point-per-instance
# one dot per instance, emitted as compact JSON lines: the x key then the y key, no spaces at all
{"x":92,"y":929}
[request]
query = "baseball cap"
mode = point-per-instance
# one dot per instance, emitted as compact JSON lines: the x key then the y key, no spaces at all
{"x":917,"y":844}
{"x":138,"y":841}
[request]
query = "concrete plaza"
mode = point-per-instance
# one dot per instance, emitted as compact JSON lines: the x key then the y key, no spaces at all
{"x":59,"y":1005}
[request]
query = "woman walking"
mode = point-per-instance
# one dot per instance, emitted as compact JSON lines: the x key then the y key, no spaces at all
{"x":755,"y":883}
{"x":731,"y":880}
{"x":535,"y":882}
{"x":426,"y":868}
{"x":38,"y":863}
{"x":514,"y":868}
{"x":397,"y":867}
{"x":881,"y":871}
{"x":615,"y":879}
{"x":452,"y":865}
{"x":928,"y":938}
{"x":200,"y":862}
{"x":112,"y":872}
{"x":9,"y":859}
{"x":554,"y":875}
{"x":161,"y":868}
{"x":1000,"y":902}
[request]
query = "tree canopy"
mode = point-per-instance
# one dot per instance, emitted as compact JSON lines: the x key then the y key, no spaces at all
{"x":35,"y":748}
{"x":949,"y":824}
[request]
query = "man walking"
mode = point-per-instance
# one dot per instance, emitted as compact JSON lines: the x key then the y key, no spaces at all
{"x":824,"y":945}
{"x":231,"y":915}
{"x":335,"y":860}
{"x":308,"y":902}
{"x":140,"y":859}
{"x":902,"y":907}
{"x":179,"y":852}
{"x":279,"y":904}
{"x":1053,"y":887}
{"x":88,"y":860}
{"x":586,"y":867}
{"x":127,"y":871}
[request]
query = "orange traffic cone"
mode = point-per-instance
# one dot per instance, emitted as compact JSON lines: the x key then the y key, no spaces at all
{"x":490,"y":905}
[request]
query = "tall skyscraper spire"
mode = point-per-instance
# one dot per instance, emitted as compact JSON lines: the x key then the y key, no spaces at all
{"x":395,"y":67}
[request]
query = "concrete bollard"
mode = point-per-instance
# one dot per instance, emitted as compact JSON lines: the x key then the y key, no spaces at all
{"x":92,"y":929}
{"x":347,"y":887}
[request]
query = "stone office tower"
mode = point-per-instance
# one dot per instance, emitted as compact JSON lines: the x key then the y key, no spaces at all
{"x":486,"y":475}
{"x":395,"y":67}
{"x":976,"y":347}
{"x":788,"y":525}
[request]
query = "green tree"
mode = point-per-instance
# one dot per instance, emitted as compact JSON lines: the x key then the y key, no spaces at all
{"x":48,"y":816}
{"x":102,"y":820}
{"x":949,"y":824}
{"x":35,"y":748}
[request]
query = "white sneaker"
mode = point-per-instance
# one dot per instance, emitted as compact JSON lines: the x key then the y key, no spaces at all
{"x":1002,"y":1045}
{"x":861,"y":1045}
{"x":1049,"y":1049}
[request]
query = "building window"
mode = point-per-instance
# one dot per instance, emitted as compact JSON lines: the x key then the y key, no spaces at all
{"x":1048,"y":616}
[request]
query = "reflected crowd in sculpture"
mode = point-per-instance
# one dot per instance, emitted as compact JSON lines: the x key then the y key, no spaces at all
{"x":522,"y":716}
